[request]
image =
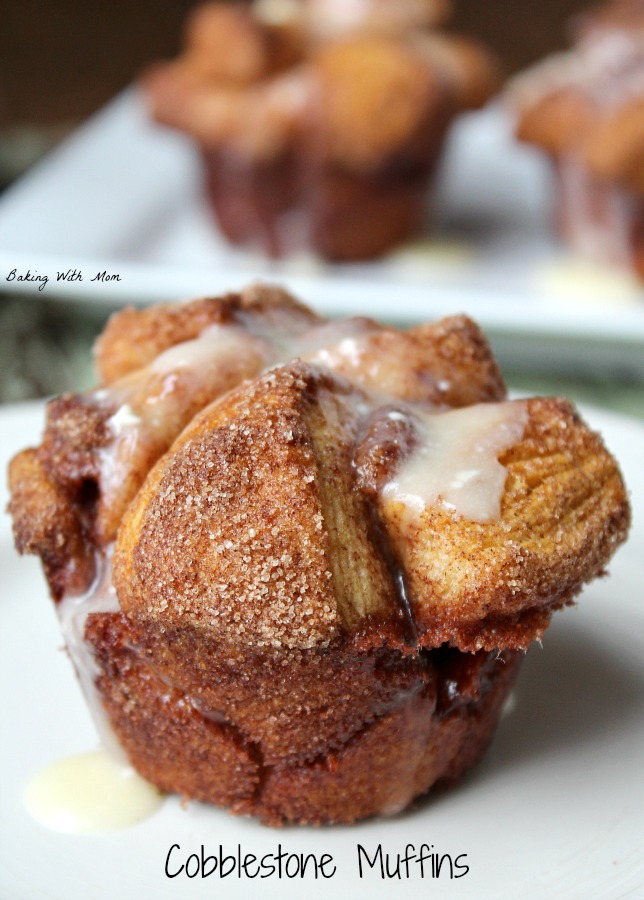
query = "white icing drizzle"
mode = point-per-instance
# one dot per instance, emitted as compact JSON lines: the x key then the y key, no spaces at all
{"x":189,"y":367}
{"x":333,"y":18}
{"x":586,"y":282}
{"x":214,"y":346}
{"x":613,"y":67}
{"x":73,"y":611}
{"x":90,"y":793}
{"x":123,"y":419}
{"x":455,"y":461}
{"x":151,"y":400}
{"x":155,"y":389}
{"x":116,"y":458}
{"x":333,"y":343}
{"x":277,"y":12}
{"x":97,"y":791}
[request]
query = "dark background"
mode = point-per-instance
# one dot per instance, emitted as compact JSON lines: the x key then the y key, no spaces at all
{"x":61,"y":60}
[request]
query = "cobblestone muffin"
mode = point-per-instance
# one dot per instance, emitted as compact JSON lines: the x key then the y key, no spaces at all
{"x":321,"y":132}
{"x":585,"y":109}
{"x":297,"y":562}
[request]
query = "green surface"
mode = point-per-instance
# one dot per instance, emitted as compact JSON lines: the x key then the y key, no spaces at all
{"x":620,"y":397}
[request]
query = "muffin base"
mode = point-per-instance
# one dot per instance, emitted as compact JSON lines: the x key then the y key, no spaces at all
{"x":279,"y":209}
{"x":431,"y":733}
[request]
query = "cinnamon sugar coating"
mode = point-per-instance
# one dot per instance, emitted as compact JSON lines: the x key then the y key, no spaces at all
{"x":47,"y":524}
{"x":264,"y":477}
{"x":447,"y":363}
{"x":290,"y":642}
{"x":73,"y":450}
{"x":260,"y":461}
{"x":295,"y":705}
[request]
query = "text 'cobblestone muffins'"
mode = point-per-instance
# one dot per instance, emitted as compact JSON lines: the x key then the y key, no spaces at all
{"x":320,"y":131}
{"x":297,"y":561}
{"x":585,"y":109}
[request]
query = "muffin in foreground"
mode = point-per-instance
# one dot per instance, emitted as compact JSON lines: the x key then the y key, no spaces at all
{"x":319,"y":132}
{"x":297,"y":562}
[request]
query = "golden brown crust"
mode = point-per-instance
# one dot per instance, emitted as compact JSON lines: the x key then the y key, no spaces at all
{"x":82,"y":451}
{"x":609,"y":145}
{"x":132,"y":337}
{"x":356,"y":101}
{"x":296,"y":704}
{"x":78,"y":437}
{"x":80,"y":444}
{"x":47,"y":524}
{"x":76,"y":431}
{"x":302,"y":425}
{"x":168,"y":740}
{"x":391,"y":763}
{"x":259,"y":122}
{"x":380,"y":101}
{"x":445,"y":363}
{"x":272,"y":458}
{"x":495,"y":584}
{"x":476,"y":585}
{"x":462,"y":363}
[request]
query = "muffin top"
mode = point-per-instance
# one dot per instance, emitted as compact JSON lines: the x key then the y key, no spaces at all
{"x":281,"y":483}
{"x":361,"y":92}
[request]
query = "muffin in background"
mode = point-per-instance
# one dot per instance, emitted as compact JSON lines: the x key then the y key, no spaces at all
{"x":317,"y":130}
{"x":585,"y":109}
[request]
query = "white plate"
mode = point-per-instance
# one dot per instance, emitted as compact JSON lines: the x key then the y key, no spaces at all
{"x":556,"y":809}
{"x":124,"y":196}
